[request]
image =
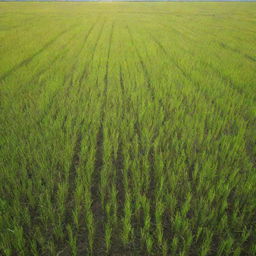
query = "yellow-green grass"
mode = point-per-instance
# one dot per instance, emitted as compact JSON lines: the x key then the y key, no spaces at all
{"x":127,"y":129}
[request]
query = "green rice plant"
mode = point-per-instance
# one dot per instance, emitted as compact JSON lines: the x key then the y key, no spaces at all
{"x":226,"y":246}
{"x":108,"y":234}
{"x":127,"y":226}
{"x":174,"y":245}
{"x":18,"y":234}
{"x":159,"y":211}
{"x":34,"y":248}
{"x":127,"y":128}
{"x":145,"y":230}
{"x":72,"y":241}
{"x":91,"y":229}
{"x":206,"y":243}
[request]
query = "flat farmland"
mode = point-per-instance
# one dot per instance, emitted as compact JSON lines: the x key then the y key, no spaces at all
{"x":127,"y":129}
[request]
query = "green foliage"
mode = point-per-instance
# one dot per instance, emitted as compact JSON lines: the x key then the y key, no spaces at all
{"x":127,"y":129}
